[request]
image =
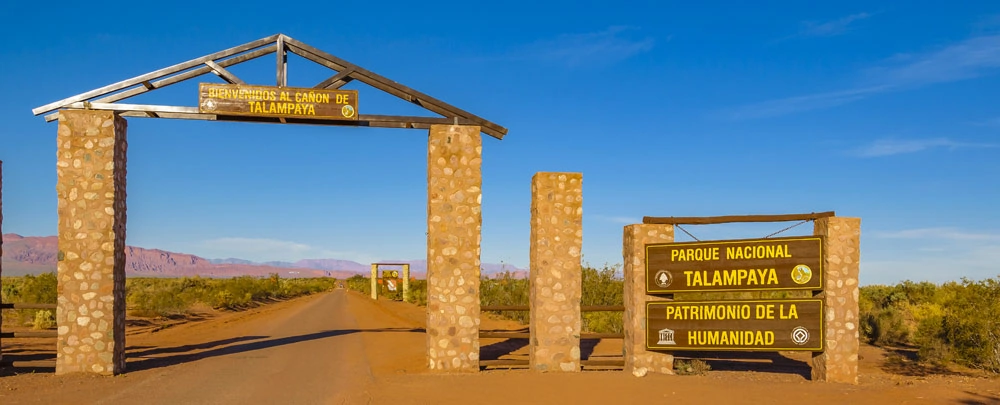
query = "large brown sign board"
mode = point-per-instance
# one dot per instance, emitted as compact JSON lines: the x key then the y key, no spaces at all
{"x":755,"y":325}
{"x":793,"y":263}
{"x":284,"y":102}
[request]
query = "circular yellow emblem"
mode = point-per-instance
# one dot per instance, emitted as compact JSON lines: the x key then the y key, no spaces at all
{"x":801,"y":274}
{"x":347,"y":110}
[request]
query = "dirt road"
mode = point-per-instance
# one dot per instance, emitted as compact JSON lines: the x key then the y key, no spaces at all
{"x":343,"y":348}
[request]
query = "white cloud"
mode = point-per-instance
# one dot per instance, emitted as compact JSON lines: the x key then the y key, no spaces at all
{"x":888,"y":147}
{"x":262,"y":249}
{"x":621,"y":220}
{"x":603,"y":47}
{"x":935,"y":254}
{"x":830,"y":28}
{"x":968,"y":59}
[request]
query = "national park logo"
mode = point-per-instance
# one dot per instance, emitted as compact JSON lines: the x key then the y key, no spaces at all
{"x":347,"y":110}
{"x":663,"y":279}
{"x":801,"y":274}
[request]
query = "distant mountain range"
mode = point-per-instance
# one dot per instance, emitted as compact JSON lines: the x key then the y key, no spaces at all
{"x":37,"y":254}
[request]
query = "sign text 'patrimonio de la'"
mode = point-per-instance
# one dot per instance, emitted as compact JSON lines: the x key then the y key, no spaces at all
{"x":793,"y":263}
{"x":765,"y":325}
{"x":285,"y":102}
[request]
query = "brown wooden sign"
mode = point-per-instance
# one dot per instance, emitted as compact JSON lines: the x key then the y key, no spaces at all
{"x":757,"y":325}
{"x":392,"y":280}
{"x":285,"y":102}
{"x":794,"y":263}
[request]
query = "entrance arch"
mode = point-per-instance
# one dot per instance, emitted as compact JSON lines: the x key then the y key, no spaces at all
{"x":91,"y":190}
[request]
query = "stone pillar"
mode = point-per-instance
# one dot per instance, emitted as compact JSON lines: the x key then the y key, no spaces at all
{"x":841,"y":248}
{"x":556,"y":277}
{"x":638,"y":360}
{"x":454,"y":223}
{"x":406,"y":283}
{"x":90,"y":189}
{"x":374,"y":281}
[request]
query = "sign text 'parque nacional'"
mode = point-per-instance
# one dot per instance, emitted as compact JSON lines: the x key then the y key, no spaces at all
{"x":793,"y":263}
{"x":764,"y":325}
{"x":284,"y":102}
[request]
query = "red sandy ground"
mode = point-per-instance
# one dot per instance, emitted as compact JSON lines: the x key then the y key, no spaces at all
{"x":343,"y":348}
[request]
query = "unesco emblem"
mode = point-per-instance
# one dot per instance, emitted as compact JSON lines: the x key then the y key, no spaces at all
{"x":209,"y":105}
{"x":663,"y":279}
{"x":800,"y":336}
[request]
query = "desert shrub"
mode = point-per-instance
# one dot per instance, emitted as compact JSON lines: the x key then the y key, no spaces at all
{"x":954,"y":321}
{"x":505,"y":289}
{"x":40,"y":289}
{"x":360,"y":284}
{"x":971,"y":325}
{"x":691,"y":367}
{"x":604,"y":286}
{"x":44,"y":320}
{"x":418,"y":292}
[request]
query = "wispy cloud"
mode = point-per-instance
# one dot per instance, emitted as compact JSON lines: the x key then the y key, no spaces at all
{"x":784,"y":106}
{"x":987,"y":24}
{"x":889,"y":147}
{"x":991,"y":122}
{"x":603,"y":47}
{"x":830,"y":28}
{"x":262,"y":249}
{"x":969,"y":59}
{"x":945,"y":233}
{"x":936,"y":254}
{"x":622,"y":220}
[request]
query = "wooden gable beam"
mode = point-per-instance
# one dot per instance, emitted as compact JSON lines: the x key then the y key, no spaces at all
{"x":226,"y":75}
{"x":382,"y":83}
{"x":154,"y":75}
{"x":336,"y":81}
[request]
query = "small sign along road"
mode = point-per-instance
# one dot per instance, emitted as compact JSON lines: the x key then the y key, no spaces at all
{"x":287,"y":102}
{"x":765,"y":325}
{"x":793,"y":263}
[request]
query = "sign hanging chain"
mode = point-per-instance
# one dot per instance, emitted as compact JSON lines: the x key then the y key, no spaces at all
{"x":688,"y":233}
{"x":790,"y":227}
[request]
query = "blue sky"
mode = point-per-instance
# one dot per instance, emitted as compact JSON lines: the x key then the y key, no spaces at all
{"x":876,"y":110}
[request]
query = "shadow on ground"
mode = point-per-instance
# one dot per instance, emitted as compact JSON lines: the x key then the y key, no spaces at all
{"x":151,"y":358}
{"x":905,"y":361}
{"x":141,"y":358}
{"x":766,"y":362}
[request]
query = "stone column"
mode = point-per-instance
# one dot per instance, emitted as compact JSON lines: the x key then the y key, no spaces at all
{"x":454,"y":223}
{"x":406,"y":283}
{"x":90,"y":189}
{"x":556,"y":278}
{"x":841,"y":248}
{"x":374,"y":282}
{"x":638,"y":360}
